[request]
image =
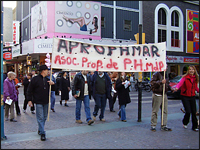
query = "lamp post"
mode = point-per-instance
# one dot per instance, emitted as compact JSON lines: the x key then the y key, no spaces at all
{"x":3,"y":137}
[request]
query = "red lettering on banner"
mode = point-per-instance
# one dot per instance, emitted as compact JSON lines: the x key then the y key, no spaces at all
{"x":112,"y":65}
{"x":127,"y":61}
{"x":62,"y":60}
{"x":139,"y":64}
{"x":96,"y":65}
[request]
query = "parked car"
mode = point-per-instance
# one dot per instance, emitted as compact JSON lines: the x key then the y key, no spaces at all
{"x":172,"y":83}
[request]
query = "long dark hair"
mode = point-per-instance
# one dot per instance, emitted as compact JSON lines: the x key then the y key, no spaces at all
{"x":96,"y":22}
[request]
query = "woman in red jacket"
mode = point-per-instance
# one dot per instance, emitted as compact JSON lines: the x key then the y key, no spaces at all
{"x":188,"y":86}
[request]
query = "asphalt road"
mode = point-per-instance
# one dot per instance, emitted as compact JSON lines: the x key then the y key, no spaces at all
{"x":63,"y":133}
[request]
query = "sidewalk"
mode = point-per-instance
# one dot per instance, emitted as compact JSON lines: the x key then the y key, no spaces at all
{"x":63,"y":133}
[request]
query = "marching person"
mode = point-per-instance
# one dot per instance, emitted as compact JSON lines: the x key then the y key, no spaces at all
{"x":26,"y":82}
{"x":53,"y":95}
{"x":157,"y":82}
{"x":16,"y":81}
{"x":81,"y":90}
{"x":123,"y":94}
{"x":64,"y":87}
{"x":38,"y":92}
{"x":9,"y":92}
{"x":188,"y":86}
{"x":101,"y":88}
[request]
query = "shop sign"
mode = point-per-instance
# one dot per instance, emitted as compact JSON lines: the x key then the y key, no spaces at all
{"x":16,"y":51}
{"x":27,"y":47}
{"x":43,"y":45}
{"x":7,"y":53}
{"x":16,"y":32}
{"x":174,"y":59}
{"x":191,"y":60}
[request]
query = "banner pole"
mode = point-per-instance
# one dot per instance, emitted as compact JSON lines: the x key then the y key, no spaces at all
{"x":163,"y":100}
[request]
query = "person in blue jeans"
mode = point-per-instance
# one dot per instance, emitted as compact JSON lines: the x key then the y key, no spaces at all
{"x":81,"y":90}
{"x":53,"y":95}
{"x":38,"y":92}
{"x":123,"y":94}
{"x":101,"y":89}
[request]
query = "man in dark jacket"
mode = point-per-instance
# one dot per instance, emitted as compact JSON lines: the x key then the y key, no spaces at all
{"x":38,"y":89}
{"x":157,"y":82}
{"x":26,"y":82}
{"x":81,"y":90}
{"x":101,"y":89}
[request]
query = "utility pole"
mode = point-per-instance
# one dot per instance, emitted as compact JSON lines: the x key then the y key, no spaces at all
{"x":3,"y":137}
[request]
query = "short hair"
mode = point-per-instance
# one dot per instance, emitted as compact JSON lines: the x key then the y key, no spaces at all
{"x":29,"y":74}
{"x":10,"y":73}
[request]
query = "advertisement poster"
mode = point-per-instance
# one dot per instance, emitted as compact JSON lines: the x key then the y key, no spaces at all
{"x":15,"y":32}
{"x":78,"y":17}
{"x":69,"y":54}
{"x":39,"y":19}
{"x":192,"y":28}
{"x":7,"y":53}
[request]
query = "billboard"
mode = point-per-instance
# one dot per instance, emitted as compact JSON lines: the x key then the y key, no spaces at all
{"x":75,"y":55}
{"x":192,"y":31}
{"x":39,"y":19}
{"x":78,"y":17}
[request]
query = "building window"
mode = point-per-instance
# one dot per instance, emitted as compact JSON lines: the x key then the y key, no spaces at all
{"x":175,"y":42}
{"x":162,"y":17}
{"x":103,"y":22}
{"x":175,"y":19}
{"x":127,"y":25}
{"x":161,"y":35}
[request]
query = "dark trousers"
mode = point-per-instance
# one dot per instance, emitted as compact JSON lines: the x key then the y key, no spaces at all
{"x":112,"y":101}
{"x":189,"y":104}
{"x":17,"y":106}
{"x":25,"y":104}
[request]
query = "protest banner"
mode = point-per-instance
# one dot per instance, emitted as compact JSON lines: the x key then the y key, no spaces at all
{"x":76,"y":55}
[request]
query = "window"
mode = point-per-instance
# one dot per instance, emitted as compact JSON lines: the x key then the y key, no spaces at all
{"x":175,"y":42}
{"x":175,"y":19}
{"x":127,"y":25}
{"x":161,"y":17}
{"x":103,"y":22}
{"x":161,"y":35}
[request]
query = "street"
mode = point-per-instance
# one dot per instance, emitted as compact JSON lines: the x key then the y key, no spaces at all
{"x":63,"y":133}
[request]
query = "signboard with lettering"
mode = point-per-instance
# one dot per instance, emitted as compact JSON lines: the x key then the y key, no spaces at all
{"x":16,"y":51}
{"x":43,"y":45}
{"x":71,"y":54}
{"x":192,"y":31}
{"x":15,"y":32}
{"x":7,"y":53}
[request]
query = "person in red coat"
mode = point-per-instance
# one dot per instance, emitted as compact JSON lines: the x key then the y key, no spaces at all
{"x":188,"y":86}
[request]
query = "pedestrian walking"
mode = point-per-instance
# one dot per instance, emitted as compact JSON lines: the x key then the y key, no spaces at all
{"x":123,"y":94}
{"x":188,"y":86}
{"x":157,"y":82}
{"x":26,"y":82}
{"x":101,"y":88}
{"x":9,"y":96}
{"x":114,"y":96}
{"x":81,"y":90}
{"x":64,"y":86}
{"x":53,"y":95}
{"x":16,"y":81}
{"x":38,"y":89}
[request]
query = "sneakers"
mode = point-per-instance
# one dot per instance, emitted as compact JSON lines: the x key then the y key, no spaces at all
{"x":196,"y":130}
{"x":24,"y":111}
{"x":102,"y":120}
{"x":32,"y":112}
{"x":153,"y":128}
{"x":43,"y":138}
{"x":184,"y":126}
{"x":90,"y":122}
{"x":13,"y":120}
{"x":94,"y":118}
{"x":165,"y":128}
{"x":79,"y":121}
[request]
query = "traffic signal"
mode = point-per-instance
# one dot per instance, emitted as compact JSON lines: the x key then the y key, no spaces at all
{"x":47,"y":60}
{"x":137,"y":38}
{"x":28,"y":59}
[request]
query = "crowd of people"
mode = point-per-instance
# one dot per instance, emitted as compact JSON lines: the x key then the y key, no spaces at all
{"x":102,"y":86}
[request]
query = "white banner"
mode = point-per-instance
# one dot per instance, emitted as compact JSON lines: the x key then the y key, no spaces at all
{"x":74,"y":55}
{"x":43,"y":45}
{"x":15,"y":32}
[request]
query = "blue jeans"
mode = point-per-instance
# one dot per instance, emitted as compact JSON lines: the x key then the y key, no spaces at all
{"x":41,"y":115}
{"x":100,"y":103}
{"x":86,"y":102}
{"x":53,"y":99}
{"x":122,"y":112}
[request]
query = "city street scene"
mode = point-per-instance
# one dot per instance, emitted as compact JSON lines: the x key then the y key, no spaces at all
{"x":100,"y":75}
